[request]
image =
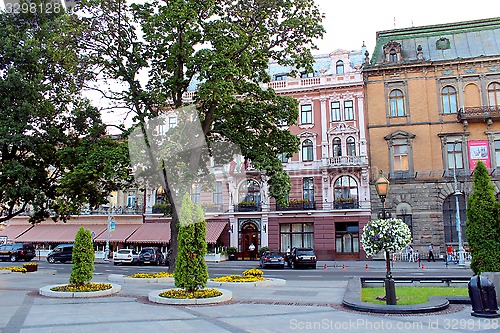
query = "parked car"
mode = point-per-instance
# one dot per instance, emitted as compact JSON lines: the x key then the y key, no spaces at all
{"x":125,"y":256}
{"x":272,"y":258}
{"x":151,"y":255}
{"x":61,"y":253}
{"x":15,"y":252}
{"x":301,"y":257}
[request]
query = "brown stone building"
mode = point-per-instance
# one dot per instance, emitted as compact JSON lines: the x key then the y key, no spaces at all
{"x":433,"y":110}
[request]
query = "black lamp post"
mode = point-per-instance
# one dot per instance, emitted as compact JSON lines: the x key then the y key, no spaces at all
{"x":382,"y":187}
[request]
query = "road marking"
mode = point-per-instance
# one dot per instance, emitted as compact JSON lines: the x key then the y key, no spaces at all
{"x":310,"y":276}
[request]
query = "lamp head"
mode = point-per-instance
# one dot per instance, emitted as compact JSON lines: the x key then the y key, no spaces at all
{"x":382,"y":185}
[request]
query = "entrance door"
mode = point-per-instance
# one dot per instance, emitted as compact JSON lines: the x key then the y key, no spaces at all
{"x":249,"y":236}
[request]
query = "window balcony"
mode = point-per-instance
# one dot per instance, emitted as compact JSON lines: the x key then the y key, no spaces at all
{"x":309,"y":205}
{"x":354,"y":204}
{"x":247,"y":207}
{"x":348,"y":161}
{"x":478,"y":114}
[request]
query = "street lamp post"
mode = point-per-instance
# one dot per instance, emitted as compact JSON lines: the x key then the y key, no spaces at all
{"x":461,"y":254}
{"x":108,"y":230}
{"x":382,"y":187}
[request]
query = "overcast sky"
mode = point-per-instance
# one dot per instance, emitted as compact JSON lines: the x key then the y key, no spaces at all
{"x":348,"y":24}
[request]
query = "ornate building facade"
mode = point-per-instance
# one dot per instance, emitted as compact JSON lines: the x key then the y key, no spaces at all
{"x":433,"y":111}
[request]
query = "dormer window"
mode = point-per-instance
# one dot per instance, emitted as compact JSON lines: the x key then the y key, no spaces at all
{"x":280,"y":77}
{"x":340,"y":67}
{"x":393,"y":56}
{"x":392,"y":52}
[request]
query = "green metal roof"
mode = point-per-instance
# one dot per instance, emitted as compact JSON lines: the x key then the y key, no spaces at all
{"x":469,"y":39}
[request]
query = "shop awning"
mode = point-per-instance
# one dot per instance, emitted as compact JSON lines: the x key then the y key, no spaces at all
{"x":214,"y":230}
{"x":14,"y":231}
{"x":120,"y":234}
{"x":151,"y":233}
{"x":57,"y":232}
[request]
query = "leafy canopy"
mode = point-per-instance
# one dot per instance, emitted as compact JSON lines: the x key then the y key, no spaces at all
{"x":53,"y":157}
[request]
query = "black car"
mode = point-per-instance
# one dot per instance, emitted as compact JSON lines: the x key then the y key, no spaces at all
{"x":302,"y":257}
{"x":151,"y":255}
{"x":272,"y":259}
{"x":15,"y":252}
{"x":61,"y":253}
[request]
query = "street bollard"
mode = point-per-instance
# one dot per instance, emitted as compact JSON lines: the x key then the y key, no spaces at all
{"x":483,"y":297}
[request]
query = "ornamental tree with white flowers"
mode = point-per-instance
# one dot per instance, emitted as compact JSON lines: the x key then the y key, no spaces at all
{"x":385,"y":234}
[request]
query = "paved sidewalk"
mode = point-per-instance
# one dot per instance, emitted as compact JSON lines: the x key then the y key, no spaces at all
{"x":314,"y":307}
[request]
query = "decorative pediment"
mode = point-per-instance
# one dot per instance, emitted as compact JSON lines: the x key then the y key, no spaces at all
{"x":343,"y":128}
{"x":307,"y":134}
{"x":399,"y":135}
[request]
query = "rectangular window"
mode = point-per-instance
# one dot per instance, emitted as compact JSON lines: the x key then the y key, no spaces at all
{"x":296,"y":235}
{"x":346,"y":237}
{"x":172,"y":122}
{"x":131,"y":199}
{"x":454,"y":155}
{"x":400,"y":158}
{"x":280,"y":77}
{"x":217,"y":196}
{"x":497,"y":152}
{"x":336,"y":111}
{"x":305,"y":75}
{"x":308,"y":189}
{"x":348,"y":110}
{"x":283,"y":157}
{"x":196,"y":193}
{"x":306,"y":114}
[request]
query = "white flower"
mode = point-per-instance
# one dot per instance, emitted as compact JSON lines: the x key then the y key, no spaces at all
{"x":385,"y":234}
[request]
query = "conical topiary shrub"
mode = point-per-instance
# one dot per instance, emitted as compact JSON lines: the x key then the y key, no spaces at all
{"x":191,"y":271}
{"x":83,"y":258}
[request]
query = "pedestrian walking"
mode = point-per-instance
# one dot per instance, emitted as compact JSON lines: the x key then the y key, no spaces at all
{"x":431,"y":253}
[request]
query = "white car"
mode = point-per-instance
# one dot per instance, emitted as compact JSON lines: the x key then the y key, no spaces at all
{"x":125,"y":256}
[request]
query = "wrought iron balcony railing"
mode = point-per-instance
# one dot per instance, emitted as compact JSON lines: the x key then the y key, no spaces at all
{"x":480,"y":113}
{"x":310,"y":205}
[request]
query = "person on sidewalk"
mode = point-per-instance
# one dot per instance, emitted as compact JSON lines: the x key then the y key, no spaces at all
{"x":431,"y":253}
{"x":251,"y":248}
{"x":409,"y":253}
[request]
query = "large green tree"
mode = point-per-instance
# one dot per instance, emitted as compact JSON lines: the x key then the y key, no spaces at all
{"x":222,"y":47}
{"x":483,"y":223}
{"x":54,"y":156}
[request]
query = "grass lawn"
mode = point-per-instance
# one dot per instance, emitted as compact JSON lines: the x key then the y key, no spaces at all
{"x":411,"y":295}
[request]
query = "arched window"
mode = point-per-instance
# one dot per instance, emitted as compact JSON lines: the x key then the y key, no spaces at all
{"x":337,"y":147}
{"x":449,"y":99}
{"x":346,"y":189}
{"x":396,"y":102}
{"x":494,"y":94}
{"x":393,"y":56}
{"x":307,"y":150}
{"x":249,"y":191}
{"x":351,"y":146}
{"x":340,"y":67}
{"x":449,"y":218}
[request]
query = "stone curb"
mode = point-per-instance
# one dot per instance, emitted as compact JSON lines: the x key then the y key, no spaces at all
{"x":154,"y":296}
{"x":45,"y":291}
{"x":352,"y":300}
{"x":266,"y":283}
{"x":120,"y":278}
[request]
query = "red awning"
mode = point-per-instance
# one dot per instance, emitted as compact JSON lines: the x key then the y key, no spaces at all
{"x":151,"y":233}
{"x":214,"y":230}
{"x":120,"y":234}
{"x":14,"y":231}
{"x":57,"y":232}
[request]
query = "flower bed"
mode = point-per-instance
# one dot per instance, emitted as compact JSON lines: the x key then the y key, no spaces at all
{"x":90,"y":290}
{"x":250,"y":275}
{"x":158,"y":275}
{"x":87,"y":287}
{"x":181,"y":293}
{"x":204,"y":296}
{"x":14,"y":269}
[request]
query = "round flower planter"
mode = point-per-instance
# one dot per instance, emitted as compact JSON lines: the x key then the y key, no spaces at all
{"x":46,"y":291}
{"x":31,"y":268}
{"x":154,"y":296}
